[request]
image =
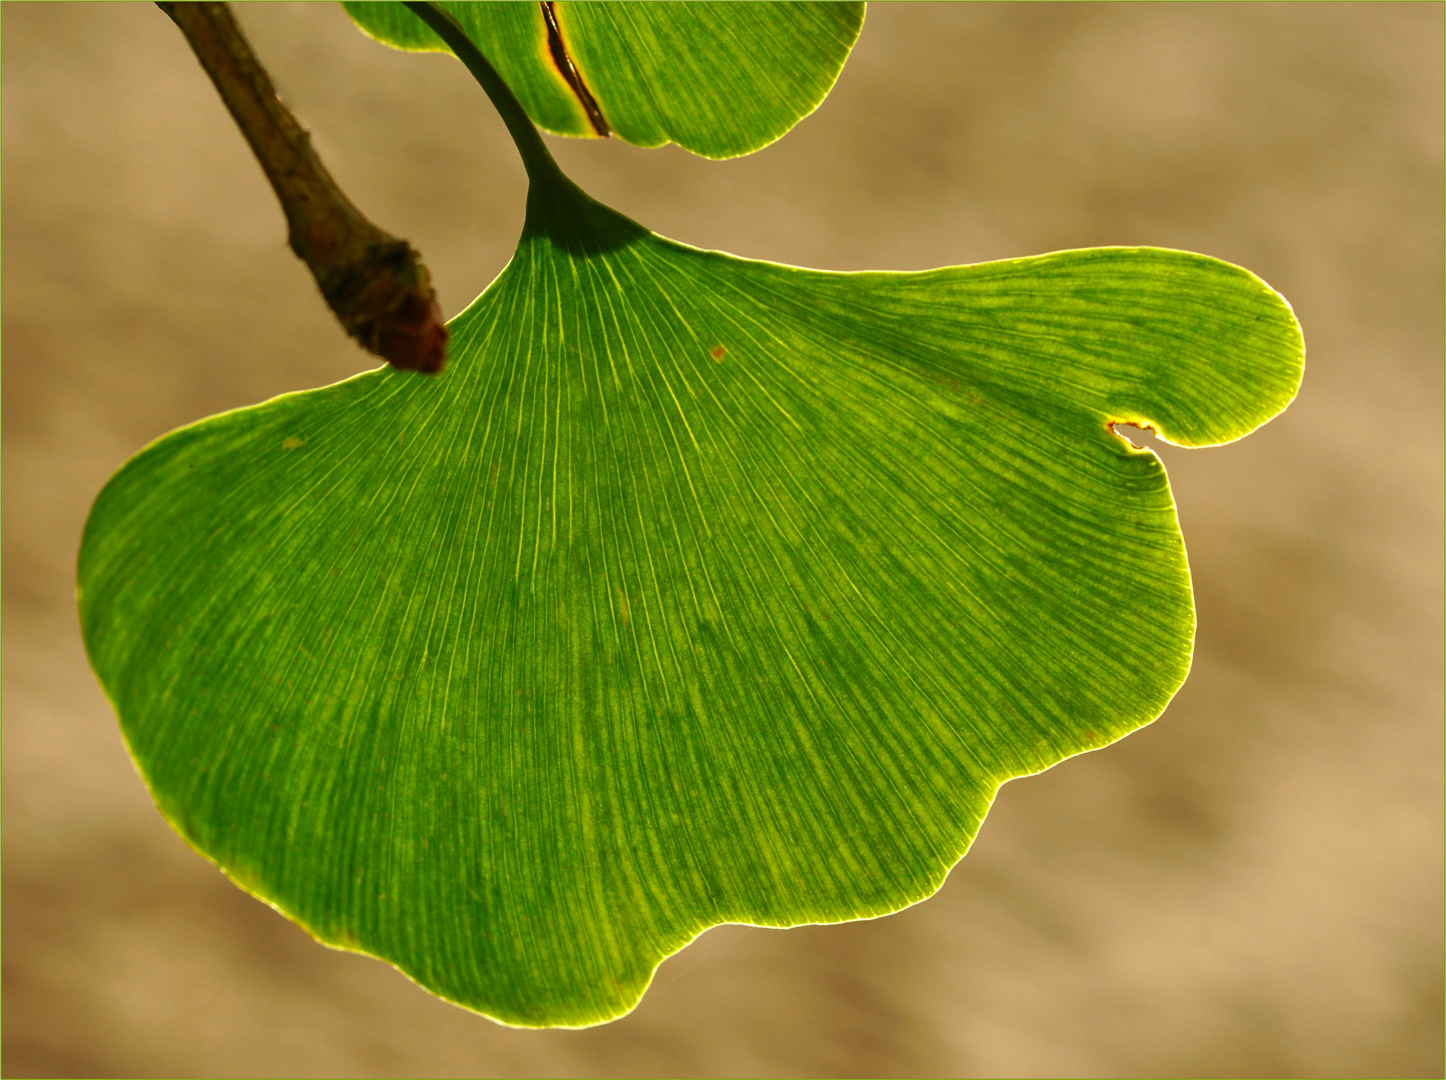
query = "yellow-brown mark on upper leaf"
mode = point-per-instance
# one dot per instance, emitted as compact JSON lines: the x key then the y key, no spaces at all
{"x":562,"y":60}
{"x":718,"y":353}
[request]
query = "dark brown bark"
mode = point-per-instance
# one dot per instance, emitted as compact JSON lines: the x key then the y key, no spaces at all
{"x":375,"y":283}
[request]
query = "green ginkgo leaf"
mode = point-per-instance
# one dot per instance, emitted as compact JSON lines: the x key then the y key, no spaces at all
{"x":718,"y":78}
{"x":698,"y":590}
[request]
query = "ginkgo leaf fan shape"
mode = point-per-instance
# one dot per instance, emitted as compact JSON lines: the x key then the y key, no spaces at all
{"x":700,"y":590}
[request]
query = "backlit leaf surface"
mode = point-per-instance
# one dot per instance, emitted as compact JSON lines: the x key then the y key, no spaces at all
{"x":717,"y":78}
{"x":698,"y":590}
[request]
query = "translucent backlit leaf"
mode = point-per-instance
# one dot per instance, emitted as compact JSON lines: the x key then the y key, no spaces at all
{"x":698,"y":590}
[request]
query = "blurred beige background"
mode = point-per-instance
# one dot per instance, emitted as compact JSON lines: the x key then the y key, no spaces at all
{"x":1251,"y":887}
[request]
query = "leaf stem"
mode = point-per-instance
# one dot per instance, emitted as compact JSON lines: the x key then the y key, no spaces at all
{"x":536,"y":158}
{"x":375,"y":283}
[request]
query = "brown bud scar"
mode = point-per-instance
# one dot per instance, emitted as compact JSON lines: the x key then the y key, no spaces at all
{"x":374,"y":283}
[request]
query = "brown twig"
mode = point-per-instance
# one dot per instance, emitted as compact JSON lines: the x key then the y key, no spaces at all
{"x":375,"y":283}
